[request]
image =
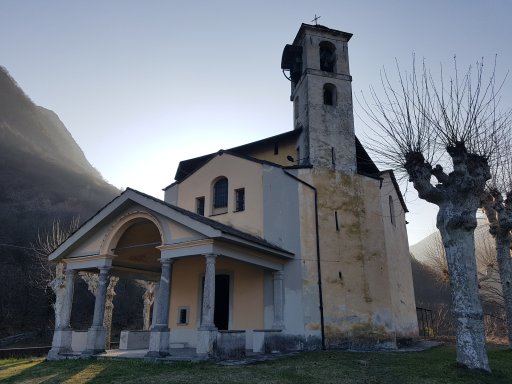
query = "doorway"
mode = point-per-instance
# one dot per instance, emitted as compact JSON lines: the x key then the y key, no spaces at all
{"x":221,"y":314}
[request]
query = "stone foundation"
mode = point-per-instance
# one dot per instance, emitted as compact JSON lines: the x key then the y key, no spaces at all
{"x":158,"y":343}
{"x":61,"y":343}
{"x":134,"y":340}
{"x":230,"y":345}
{"x":79,"y":341}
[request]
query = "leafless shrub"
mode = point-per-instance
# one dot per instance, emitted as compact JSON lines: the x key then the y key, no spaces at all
{"x":47,"y":241}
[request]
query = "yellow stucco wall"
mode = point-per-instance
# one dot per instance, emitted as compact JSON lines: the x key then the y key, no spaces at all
{"x":246,"y":292}
{"x":240,"y":173}
{"x":399,"y":261}
{"x":285,"y":148}
{"x":355,"y":270}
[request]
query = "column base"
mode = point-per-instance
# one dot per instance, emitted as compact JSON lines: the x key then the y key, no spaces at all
{"x":206,"y":339}
{"x":95,"y":340}
{"x":158,"y":343}
{"x":61,"y":343}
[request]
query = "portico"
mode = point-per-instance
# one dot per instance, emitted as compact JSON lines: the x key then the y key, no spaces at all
{"x":186,"y":265}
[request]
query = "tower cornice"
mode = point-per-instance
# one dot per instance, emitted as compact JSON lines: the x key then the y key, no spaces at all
{"x":320,"y":29}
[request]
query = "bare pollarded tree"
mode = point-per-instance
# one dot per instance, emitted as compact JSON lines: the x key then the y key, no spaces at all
{"x":448,"y":132}
{"x":497,"y":206}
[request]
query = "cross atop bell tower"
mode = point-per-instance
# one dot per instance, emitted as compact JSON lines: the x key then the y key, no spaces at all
{"x":321,"y":92}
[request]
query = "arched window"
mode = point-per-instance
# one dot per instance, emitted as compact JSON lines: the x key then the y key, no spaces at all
{"x":392,"y":211}
{"x":220,"y":193}
{"x":329,"y":94}
{"x":327,"y":56}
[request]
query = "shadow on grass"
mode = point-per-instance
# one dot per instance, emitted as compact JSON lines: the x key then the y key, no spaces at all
{"x":433,"y":366}
{"x":38,"y":371}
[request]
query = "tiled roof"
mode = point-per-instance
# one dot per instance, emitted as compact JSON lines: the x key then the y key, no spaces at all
{"x":365,"y":165}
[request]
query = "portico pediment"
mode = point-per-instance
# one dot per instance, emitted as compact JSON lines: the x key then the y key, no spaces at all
{"x":135,"y":230}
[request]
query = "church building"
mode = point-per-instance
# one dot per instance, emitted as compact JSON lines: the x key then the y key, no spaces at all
{"x":293,"y":242}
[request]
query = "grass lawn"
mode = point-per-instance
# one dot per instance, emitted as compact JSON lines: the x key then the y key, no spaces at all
{"x":432,"y":366}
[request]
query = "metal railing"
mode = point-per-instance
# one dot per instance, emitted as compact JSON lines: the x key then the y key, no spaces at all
{"x":425,"y":322}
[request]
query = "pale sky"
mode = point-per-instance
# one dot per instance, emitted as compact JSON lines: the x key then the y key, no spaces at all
{"x":142,"y":85}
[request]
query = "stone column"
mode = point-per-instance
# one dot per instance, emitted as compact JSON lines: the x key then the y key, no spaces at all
{"x":153,"y":314}
{"x":278,"y":300}
{"x":207,"y":332}
{"x":159,"y":338}
{"x":96,"y":334}
{"x":62,"y":336}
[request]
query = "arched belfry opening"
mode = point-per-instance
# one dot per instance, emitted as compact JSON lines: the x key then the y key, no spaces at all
{"x":327,"y":56}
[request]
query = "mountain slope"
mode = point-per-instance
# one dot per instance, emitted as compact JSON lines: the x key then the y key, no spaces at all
{"x":44,"y":177}
{"x":35,"y":130}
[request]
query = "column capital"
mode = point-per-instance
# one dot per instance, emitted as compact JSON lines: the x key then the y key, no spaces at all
{"x":166,"y":261}
{"x":104,"y":270}
{"x":210,"y":257}
{"x":69,"y":272}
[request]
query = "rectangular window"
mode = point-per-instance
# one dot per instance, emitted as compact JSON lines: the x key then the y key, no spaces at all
{"x":200,"y":205}
{"x":240,"y":199}
{"x":183,"y":315}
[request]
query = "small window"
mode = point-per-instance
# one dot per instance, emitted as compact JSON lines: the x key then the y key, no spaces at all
{"x":329,"y":94}
{"x":240,"y":199}
{"x":200,"y":205}
{"x":327,"y":56}
{"x":183,"y":315}
{"x":276,"y":148}
{"x":220,"y":193}
{"x":392,"y":211}
{"x":296,"y":107}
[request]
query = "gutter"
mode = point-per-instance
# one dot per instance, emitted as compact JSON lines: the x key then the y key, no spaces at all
{"x":319,"y":270}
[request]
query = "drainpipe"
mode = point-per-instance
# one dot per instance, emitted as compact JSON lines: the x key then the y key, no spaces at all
{"x":319,"y":270}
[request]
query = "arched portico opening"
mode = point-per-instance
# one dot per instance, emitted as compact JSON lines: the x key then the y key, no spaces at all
{"x":134,"y":241}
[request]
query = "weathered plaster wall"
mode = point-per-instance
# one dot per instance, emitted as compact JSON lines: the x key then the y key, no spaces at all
{"x":331,"y":127}
{"x":328,"y":130}
{"x":399,"y":262}
{"x":240,"y":173}
{"x":355,"y":276}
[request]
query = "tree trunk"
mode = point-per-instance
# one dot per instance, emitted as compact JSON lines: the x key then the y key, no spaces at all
{"x":505,"y":268}
{"x":456,"y":225}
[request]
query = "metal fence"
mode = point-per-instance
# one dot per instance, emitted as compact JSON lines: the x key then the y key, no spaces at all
{"x":425,"y":322}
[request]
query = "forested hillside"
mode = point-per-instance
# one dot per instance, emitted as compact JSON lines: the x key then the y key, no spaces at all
{"x":44,"y":176}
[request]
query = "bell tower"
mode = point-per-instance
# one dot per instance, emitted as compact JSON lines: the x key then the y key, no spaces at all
{"x":321,"y":92}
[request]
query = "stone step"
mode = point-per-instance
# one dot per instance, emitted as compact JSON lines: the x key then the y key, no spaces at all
{"x":177,"y":345}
